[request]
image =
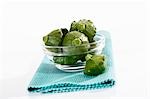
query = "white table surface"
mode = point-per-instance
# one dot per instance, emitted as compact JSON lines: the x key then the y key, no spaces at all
{"x":24,"y":23}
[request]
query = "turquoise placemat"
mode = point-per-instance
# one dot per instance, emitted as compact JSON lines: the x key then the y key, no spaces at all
{"x":48,"y":79}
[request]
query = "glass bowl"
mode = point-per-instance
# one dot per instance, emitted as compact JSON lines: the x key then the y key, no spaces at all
{"x":72,"y":58}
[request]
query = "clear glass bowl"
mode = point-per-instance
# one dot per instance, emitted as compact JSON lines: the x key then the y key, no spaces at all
{"x":72,"y":58}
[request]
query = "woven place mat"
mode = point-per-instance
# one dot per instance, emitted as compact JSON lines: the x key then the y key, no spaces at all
{"x":48,"y":79}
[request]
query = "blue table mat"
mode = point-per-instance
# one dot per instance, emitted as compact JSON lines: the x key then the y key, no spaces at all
{"x":48,"y":79}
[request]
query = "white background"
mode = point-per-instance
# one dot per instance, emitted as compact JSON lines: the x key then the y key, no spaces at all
{"x":24,"y":23}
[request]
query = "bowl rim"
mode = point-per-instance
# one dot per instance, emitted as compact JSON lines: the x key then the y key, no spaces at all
{"x":102,"y":38}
